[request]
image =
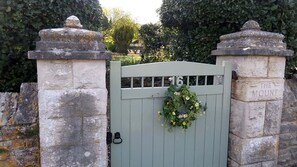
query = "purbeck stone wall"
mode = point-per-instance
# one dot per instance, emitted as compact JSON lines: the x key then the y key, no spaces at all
{"x":19,"y":139}
{"x":287,"y":156}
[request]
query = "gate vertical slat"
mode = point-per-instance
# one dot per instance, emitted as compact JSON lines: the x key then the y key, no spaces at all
{"x":158,"y":141}
{"x":147,"y":133}
{"x":226,"y":111}
{"x":169,"y":148}
{"x":189,"y":146}
{"x":200,"y":133}
{"x":179,"y":150}
{"x":209,"y":132}
{"x":126,"y":112}
{"x":115,"y":116}
{"x":135,"y":132}
{"x":217,"y":138}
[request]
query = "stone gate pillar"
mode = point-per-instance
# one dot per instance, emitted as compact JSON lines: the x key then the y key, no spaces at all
{"x":258,"y":60}
{"x":72,"y":96}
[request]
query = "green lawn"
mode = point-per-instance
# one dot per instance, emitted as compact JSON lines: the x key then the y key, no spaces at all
{"x":127,"y":59}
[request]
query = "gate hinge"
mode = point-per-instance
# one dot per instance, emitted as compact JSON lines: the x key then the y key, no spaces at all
{"x":108,"y":138}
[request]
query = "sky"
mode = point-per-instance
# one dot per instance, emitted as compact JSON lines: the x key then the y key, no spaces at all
{"x":142,"y":11}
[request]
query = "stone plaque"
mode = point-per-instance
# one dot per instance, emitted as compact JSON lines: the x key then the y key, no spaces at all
{"x":257,"y":90}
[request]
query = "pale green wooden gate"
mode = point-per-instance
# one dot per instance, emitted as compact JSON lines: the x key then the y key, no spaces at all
{"x":137,"y":94}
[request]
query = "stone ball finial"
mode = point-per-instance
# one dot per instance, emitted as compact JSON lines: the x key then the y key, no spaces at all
{"x":251,"y":25}
{"x":72,"y":22}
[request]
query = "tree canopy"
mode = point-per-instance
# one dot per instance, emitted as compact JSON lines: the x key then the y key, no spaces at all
{"x":199,"y":24}
{"x":118,"y":18}
{"x":20,"y":22}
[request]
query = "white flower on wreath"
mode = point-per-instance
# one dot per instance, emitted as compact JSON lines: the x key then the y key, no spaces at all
{"x":176,"y":93}
{"x":183,"y":116}
{"x":197,"y":105}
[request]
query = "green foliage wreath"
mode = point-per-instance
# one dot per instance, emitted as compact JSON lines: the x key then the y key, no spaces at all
{"x":181,"y":107}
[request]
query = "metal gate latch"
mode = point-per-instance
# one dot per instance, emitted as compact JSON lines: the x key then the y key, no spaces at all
{"x":117,"y":138}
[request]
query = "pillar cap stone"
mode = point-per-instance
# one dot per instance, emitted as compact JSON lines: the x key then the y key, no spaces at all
{"x":251,"y":25}
{"x":70,"y":42}
{"x":72,"y":22}
{"x":252,"y":41}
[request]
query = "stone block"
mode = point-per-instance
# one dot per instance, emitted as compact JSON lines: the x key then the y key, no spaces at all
{"x":23,"y":143}
{"x":254,"y":150}
{"x":247,"y":118}
{"x":269,"y":164}
{"x":9,"y":163}
{"x":4,"y":155}
{"x":276,"y":67}
{"x":284,"y":158}
{"x":288,"y":127}
{"x":27,"y":112}
{"x":89,"y":74}
{"x":54,"y":74}
{"x":5,"y":145}
{"x":74,"y":156}
{"x":59,"y":132}
{"x":232,"y":163}
{"x":72,"y":103}
{"x":235,"y":148}
{"x":290,"y":93}
{"x":289,"y":114}
{"x":246,"y":66}
{"x":9,"y":133}
{"x":273,"y":117}
{"x":250,"y":89}
{"x":8,"y":106}
{"x":288,"y":136}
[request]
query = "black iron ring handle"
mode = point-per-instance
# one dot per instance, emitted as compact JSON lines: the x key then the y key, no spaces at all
{"x":117,"y":136}
{"x":117,"y":142}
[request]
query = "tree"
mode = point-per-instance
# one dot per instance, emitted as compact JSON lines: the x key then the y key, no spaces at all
{"x":20,"y":22}
{"x":122,"y":37}
{"x":118,"y":18}
{"x":199,"y":24}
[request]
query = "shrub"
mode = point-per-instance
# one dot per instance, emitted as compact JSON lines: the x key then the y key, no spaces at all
{"x":122,"y":37}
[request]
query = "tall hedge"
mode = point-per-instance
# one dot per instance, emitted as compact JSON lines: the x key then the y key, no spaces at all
{"x":20,"y":22}
{"x":200,"y":23}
